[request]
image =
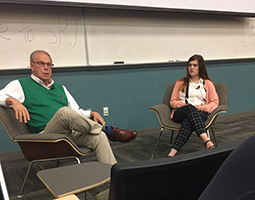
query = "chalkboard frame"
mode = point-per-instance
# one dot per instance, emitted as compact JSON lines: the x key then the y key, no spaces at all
{"x":124,"y":66}
{"x":127,"y":7}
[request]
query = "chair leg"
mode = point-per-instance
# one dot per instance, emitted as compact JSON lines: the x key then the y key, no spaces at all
{"x":213,"y":135}
{"x":214,"y":138}
{"x":208,"y":134}
{"x":156,"y":145}
{"x":171,"y":139}
{"x":25,"y":180}
{"x":85,"y":195}
{"x":30,"y":166}
{"x":58,"y":162}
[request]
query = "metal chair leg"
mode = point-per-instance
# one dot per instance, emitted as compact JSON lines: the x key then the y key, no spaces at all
{"x":58,"y":162}
{"x":25,"y":180}
{"x":171,"y":139}
{"x":42,"y":160}
{"x":85,"y":195}
{"x":156,"y":145}
{"x":208,"y":134}
{"x":214,"y":138}
{"x":213,"y":135}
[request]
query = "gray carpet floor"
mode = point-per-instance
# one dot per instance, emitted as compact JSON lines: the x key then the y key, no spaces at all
{"x":228,"y":128}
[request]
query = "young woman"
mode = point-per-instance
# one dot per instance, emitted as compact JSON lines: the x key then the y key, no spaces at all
{"x":193,"y":98}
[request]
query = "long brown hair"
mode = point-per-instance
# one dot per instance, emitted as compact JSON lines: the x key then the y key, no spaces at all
{"x":201,"y":70}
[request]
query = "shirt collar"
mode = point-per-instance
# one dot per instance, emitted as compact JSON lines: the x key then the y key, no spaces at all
{"x":39,"y":81}
{"x":200,"y":80}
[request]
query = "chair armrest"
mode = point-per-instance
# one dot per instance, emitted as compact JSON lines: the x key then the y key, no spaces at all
{"x":163,"y":112}
{"x":213,"y":115}
{"x":163,"y":109}
{"x":219,"y":109}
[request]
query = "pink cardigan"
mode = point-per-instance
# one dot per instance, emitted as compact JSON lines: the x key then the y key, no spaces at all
{"x":212,"y":100}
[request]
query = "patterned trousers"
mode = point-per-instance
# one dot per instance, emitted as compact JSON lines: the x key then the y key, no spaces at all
{"x":191,"y":120}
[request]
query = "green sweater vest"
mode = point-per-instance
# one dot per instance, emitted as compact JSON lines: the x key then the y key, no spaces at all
{"x":41,"y":103}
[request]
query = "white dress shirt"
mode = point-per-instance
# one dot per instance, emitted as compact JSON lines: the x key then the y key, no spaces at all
{"x":14,"y":90}
{"x":197,"y":93}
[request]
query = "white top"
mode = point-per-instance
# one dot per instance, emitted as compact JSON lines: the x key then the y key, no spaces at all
{"x":197,"y":93}
{"x":14,"y":90}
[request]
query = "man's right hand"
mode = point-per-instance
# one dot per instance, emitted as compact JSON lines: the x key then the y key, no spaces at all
{"x":97,"y":118}
{"x":21,"y":112}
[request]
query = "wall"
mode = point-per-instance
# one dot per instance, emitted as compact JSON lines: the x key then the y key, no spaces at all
{"x":130,"y":93}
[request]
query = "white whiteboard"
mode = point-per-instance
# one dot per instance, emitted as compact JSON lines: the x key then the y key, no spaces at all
{"x":24,"y":29}
{"x":145,"y":37}
{"x":83,"y":37}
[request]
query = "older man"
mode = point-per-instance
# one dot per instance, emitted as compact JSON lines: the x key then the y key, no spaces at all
{"x":48,"y":107}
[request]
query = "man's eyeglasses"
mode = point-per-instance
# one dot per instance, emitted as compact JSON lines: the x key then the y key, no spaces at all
{"x":42,"y":64}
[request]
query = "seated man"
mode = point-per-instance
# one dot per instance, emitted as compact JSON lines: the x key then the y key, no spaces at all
{"x":48,"y":107}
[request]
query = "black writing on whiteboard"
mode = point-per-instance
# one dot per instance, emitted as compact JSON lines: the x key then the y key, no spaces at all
{"x":57,"y":30}
{"x":27,"y":32}
{"x":3,"y":31}
{"x":252,"y":27}
{"x":249,"y":32}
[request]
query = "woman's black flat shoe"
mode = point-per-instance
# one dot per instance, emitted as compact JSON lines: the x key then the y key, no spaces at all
{"x":211,"y":147}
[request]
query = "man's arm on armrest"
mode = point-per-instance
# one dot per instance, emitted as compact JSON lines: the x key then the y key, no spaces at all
{"x":12,"y":90}
{"x":12,"y":95}
{"x":21,"y":112}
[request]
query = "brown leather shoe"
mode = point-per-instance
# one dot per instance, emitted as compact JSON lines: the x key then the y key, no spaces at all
{"x":121,"y":135}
